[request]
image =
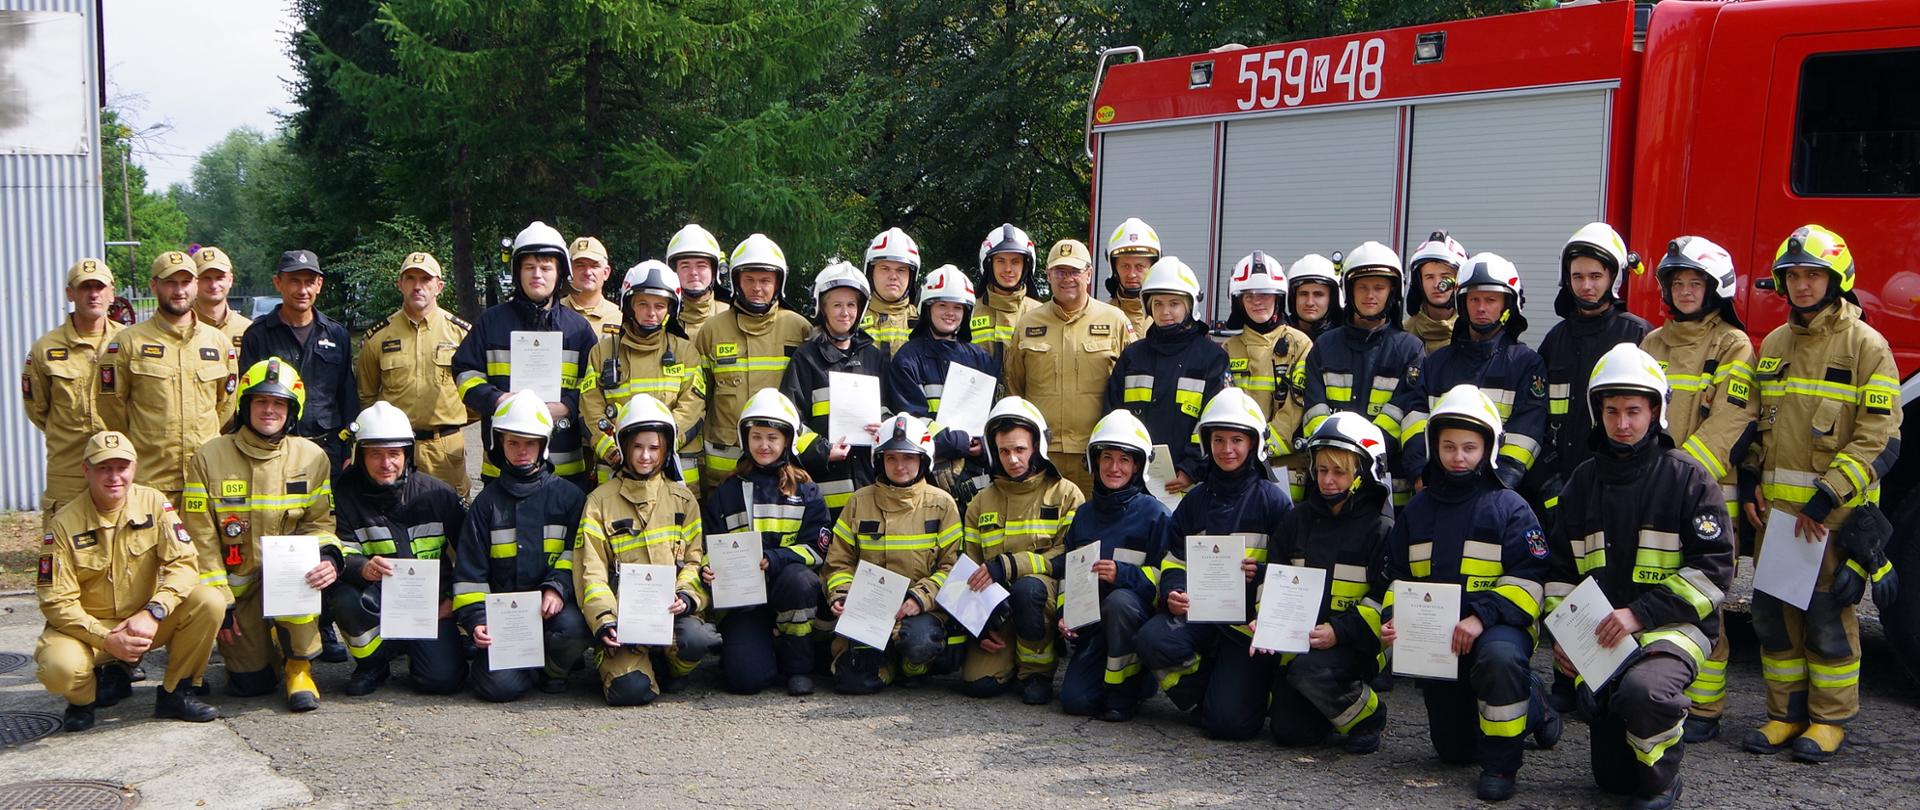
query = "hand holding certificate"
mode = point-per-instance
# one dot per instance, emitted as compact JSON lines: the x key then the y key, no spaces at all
{"x":646,"y":599}
{"x":1424,"y":615}
{"x":1575,"y":625}
{"x":967,"y":606}
{"x":1081,"y":586}
{"x":284,"y":563}
{"x":410,"y":600}
{"x":856,"y":404}
{"x":513,"y":622}
{"x":1289,"y":607}
{"x":533,"y":363}
{"x":1216,"y":585}
{"x":737,"y":578}
{"x":872,"y":603}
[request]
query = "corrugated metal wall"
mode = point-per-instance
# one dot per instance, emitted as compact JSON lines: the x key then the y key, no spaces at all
{"x":50,"y":216}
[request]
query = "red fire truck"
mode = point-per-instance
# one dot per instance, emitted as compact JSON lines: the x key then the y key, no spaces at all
{"x":1735,"y":121}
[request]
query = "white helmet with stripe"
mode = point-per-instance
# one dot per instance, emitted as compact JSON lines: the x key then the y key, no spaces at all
{"x":770,"y":408}
{"x":642,"y":413}
{"x":1345,"y":430}
{"x":1016,"y":412}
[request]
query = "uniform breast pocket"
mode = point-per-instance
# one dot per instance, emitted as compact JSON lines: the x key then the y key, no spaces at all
{"x":140,"y":543}
{"x":212,"y":381}
{"x":65,"y":380}
{"x":1827,"y":421}
{"x":443,"y":357}
{"x":90,"y":561}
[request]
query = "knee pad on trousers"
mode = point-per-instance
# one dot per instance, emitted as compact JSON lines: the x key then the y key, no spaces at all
{"x":631,"y":689}
{"x":694,"y":640}
{"x":858,"y":671}
{"x":1769,"y":624}
{"x":922,"y":639}
{"x":1826,"y":636}
{"x":1027,"y":606}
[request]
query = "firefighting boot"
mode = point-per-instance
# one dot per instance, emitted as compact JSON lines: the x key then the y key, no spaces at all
{"x":1772,"y":736}
{"x":182,"y":704}
{"x":302,"y":694}
{"x":1820,"y":742}
{"x":1664,"y":801}
{"x":1700,"y":729}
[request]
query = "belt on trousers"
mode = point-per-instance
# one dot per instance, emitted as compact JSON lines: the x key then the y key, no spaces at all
{"x":436,"y":433}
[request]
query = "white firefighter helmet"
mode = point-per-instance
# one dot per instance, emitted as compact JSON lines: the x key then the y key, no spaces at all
{"x":381,"y":425}
{"x":1345,"y":430}
{"x":1491,"y":271}
{"x":757,"y":252}
{"x":1016,"y":412}
{"x":1170,"y":275}
{"x":1133,"y":236}
{"x":540,"y":239}
{"x":903,"y":433}
{"x":1007,"y":239}
{"x":694,"y":240}
{"x":1120,"y":430}
{"x":643,"y":412}
{"x":770,"y":408}
{"x":1596,"y":240}
{"x":1465,"y":406}
{"x":1441,"y":248}
{"x":835,"y":276}
{"x":947,"y":283}
{"x":1701,"y":254}
{"x":1374,"y":260}
{"x":1310,"y":269}
{"x":1258,"y":272}
{"x":1627,"y":369}
{"x":893,"y":244}
{"x":651,"y":277}
{"x":1234,"y":409}
{"x":523,"y":413}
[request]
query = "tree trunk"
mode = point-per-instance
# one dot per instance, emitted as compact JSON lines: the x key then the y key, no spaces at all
{"x":460,"y":224}
{"x":592,"y":219}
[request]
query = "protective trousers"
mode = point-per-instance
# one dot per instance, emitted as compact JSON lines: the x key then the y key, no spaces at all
{"x":260,"y":644}
{"x":566,"y":638}
{"x":919,"y":647}
{"x":760,"y":645}
{"x":1708,"y":692}
{"x":65,"y":664}
{"x":1637,"y":731}
{"x":1483,"y":715}
{"x":1104,"y":670}
{"x":1810,"y":658}
{"x":1325,"y":690}
{"x":435,"y":664}
{"x":1026,"y":626}
{"x":627,"y":675}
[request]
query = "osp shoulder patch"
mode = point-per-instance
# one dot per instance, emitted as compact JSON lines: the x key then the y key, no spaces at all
{"x":989,"y":518}
{"x":1537,"y":543}
{"x":1708,"y":526}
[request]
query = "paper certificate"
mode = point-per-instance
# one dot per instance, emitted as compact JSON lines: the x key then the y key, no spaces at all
{"x":967,"y":606}
{"x":1159,"y":472}
{"x":1788,"y":565}
{"x":737,"y":578}
{"x":513,"y":621}
{"x":1289,"y":608}
{"x":410,"y":600}
{"x":965,"y":401}
{"x":284,"y":563}
{"x":645,"y":597}
{"x":856,"y":404}
{"x":1081,"y":586}
{"x":872,"y":602}
{"x":1573,"y":625}
{"x":1424,"y":615}
{"x":533,"y":363}
{"x":1216,"y":587}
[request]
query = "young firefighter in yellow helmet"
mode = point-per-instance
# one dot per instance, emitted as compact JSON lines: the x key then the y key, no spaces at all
{"x":744,"y":349}
{"x":1708,"y":359}
{"x":648,"y":353}
{"x":1131,"y":252}
{"x":644,"y":516}
{"x":1825,"y":368}
{"x":1263,"y":355}
{"x":255,"y":480}
{"x":892,"y":263}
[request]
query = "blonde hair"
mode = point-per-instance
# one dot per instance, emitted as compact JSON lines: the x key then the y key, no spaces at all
{"x":1342,"y":460}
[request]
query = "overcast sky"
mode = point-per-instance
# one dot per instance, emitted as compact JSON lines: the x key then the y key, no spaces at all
{"x":201,"y":68}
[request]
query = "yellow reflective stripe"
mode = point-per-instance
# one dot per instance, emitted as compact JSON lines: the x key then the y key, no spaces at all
{"x":1855,"y":472}
{"x":1649,"y":750}
{"x":1783,"y":670}
{"x":1509,"y":720}
{"x":1807,"y":386}
{"x":1834,"y":676}
{"x":834,"y":581}
{"x":461,"y":600}
{"x":1698,"y":450}
{"x":595,"y":591}
{"x":504,"y":551}
{"x":628,"y":542}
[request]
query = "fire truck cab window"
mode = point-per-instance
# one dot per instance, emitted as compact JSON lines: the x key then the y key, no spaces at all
{"x":1857,"y":132}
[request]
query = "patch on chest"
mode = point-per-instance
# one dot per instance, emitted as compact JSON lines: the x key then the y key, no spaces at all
{"x":1100,"y":329}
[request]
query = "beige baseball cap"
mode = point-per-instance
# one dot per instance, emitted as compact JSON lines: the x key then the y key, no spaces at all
{"x":1069,"y":253}
{"x":587,"y":247}
{"x":171,"y":262}
{"x":213,"y":258}
{"x":109,"y":444}
{"x":89,"y":270}
{"x":422,"y":261}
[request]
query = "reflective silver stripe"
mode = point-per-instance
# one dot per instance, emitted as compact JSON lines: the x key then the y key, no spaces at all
{"x":1522,"y":442}
{"x":1130,"y":556}
{"x":237,"y":580}
{"x":466,"y":376}
{"x":1481,"y":550}
{"x":820,"y":396}
{"x":1413,"y":418}
{"x":364,"y":639}
{"x":1420,"y":552}
{"x":506,"y":535}
{"x":553,"y":531}
{"x":1385,"y":383}
{"x":835,"y":487}
{"x":724,"y":451}
{"x":1253,"y":539}
{"x":1532,"y":588}
{"x":735,"y":522}
{"x":471,"y":587}
{"x":1730,"y":493}
{"x":1190,"y":384}
{"x":1500,"y":396}
{"x":1582,"y":546}
{"x":1392,"y":412}
{"x":933,"y":391}
{"x":1317,"y":411}
{"x":1647,"y":744}
{"x":774,"y":510}
{"x":1698,"y":579}
{"x":1559,"y":589}
{"x":368,"y":533}
{"x":1504,"y":712}
{"x":1352,"y":712}
{"x":1334,"y":380}
{"x":427,"y":530}
{"x":1664,"y":541}
{"x":564,"y":458}
{"x":499,"y":356}
{"x":1560,"y":391}
{"x":1139,"y":381}
{"x":1350,"y":573}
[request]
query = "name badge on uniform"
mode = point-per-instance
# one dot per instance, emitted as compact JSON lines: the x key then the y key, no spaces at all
{"x":1100,"y":329}
{"x":86,"y":540}
{"x":152,"y":350}
{"x":56,"y":354}
{"x":296,"y":487}
{"x":233,"y":489}
{"x":327,"y":344}
{"x":1036,"y":331}
{"x":390,"y":345}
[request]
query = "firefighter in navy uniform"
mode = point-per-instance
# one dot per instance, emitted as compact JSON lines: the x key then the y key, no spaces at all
{"x":1708,"y":359}
{"x":392,"y":514}
{"x":1432,"y":271}
{"x":1313,"y":302}
{"x":917,"y":375}
{"x":841,"y":346}
{"x":1466,"y":528}
{"x":1167,"y":376}
{"x":1262,"y":355}
{"x":1486,"y":352}
{"x":644,"y":516}
{"x":1650,"y":526}
{"x":319,"y":347}
{"x":892,"y":261}
{"x":771,"y":493}
{"x":1134,"y":531}
{"x":518,"y":536}
{"x":1008,"y":264}
{"x":1208,"y":667}
{"x":1369,"y":365}
{"x":1340,"y":527}
{"x":1825,"y":367}
{"x":1015,"y":527}
{"x":482,"y":364}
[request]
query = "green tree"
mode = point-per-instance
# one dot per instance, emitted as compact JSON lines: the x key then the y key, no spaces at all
{"x":156,"y":221}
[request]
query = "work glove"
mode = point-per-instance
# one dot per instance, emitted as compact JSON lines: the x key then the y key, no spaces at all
{"x":1863,"y":540}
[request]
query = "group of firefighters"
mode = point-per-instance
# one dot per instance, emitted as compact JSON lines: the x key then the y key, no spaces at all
{"x":1380,"y":421}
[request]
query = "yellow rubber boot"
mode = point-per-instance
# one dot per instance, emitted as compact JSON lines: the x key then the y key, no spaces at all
{"x":1772,"y":737}
{"x":1820,"y":742}
{"x":302,"y":694}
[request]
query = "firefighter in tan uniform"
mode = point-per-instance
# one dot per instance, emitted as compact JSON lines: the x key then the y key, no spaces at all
{"x":117,"y":580}
{"x":1062,"y":354}
{"x":1015,"y":526}
{"x":1262,"y":357}
{"x":212,"y":280}
{"x":1131,"y":252}
{"x":1708,"y":358}
{"x":893,"y":267}
{"x":643,"y":516}
{"x":588,"y":283}
{"x":648,"y":354}
{"x":1829,"y":430}
{"x":903,"y":524}
{"x":1431,"y":273}
{"x":1007,"y":275}
{"x":695,"y":255}
{"x":166,"y":382}
{"x":407,"y":360}
{"x":57,"y":381}
{"x":258,"y":480}
{"x":745,"y":349}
